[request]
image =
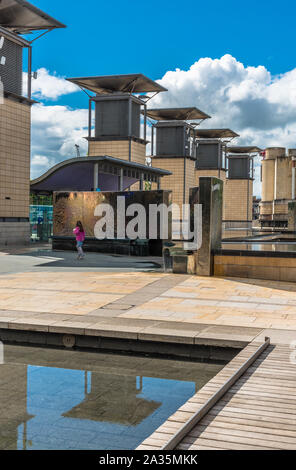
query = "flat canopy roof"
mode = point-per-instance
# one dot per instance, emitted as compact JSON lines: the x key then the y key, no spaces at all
{"x":176,"y":114}
{"x":243,"y":149}
{"x":20,"y":16}
{"x":132,"y":83}
{"x":216,"y":133}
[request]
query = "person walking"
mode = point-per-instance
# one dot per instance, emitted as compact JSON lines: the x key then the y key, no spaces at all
{"x":80,"y":237}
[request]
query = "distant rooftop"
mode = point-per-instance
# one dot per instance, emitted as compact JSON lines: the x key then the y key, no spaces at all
{"x":132,"y":83}
{"x":176,"y":114}
{"x":20,"y":16}
{"x":216,"y":133}
{"x":238,"y":149}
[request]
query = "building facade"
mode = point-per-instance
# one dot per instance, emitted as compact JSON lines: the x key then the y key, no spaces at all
{"x":278,"y":186}
{"x":16,"y":19}
{"x":238,"y":188}
{"x":15,"y":138}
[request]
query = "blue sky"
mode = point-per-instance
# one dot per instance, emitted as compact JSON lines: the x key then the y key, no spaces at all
{"x":153,"y":37}
{"x":234,"y":60}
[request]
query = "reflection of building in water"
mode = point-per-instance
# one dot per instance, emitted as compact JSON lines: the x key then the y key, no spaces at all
{"x":17,"y":18}
{"x":13,"y":399}
{"x":114,"y":399}
{"x":238,"y":233}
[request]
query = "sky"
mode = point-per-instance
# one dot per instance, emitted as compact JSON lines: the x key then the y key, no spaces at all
{"x":234,"y":60}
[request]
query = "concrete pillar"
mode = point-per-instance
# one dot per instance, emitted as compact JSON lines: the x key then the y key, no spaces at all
{"x":96,"y":176}
{"x":141,"y":182}
{"x":292,"y":155}
{"x":211,"y":199}
{"x":292,"y":216}
{"x":283,"y":178}
{"x":121,"y":180}
{"x":268,"y":174}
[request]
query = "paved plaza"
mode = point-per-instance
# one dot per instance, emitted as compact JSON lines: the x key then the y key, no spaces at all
{"x":118,"y":300}
{"x":42,"y":290}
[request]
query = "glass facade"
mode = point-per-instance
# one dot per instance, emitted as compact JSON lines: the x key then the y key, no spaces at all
{"x":41,"y":218}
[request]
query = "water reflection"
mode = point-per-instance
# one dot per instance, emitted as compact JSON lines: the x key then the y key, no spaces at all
{"x":53,"y":399}
{"x":273,"y":247}
{"x":254,"y":240}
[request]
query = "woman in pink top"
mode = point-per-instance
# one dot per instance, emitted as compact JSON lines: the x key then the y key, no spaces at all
{"x":80,"y":237}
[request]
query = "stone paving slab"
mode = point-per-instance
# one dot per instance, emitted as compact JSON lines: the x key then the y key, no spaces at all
{"x":146,"y":306}
{"x":133,"y":329}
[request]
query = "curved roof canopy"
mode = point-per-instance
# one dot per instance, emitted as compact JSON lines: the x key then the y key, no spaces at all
{"x":20,"y":16}
{"x":132,"y":83}
{"x":77,"y":174}
{"x":215,"y":133}
{"x":245,"y":150}
{"x":176,"y":114}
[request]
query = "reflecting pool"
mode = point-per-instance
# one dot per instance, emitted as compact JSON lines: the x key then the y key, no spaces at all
{"x":63,"y":399}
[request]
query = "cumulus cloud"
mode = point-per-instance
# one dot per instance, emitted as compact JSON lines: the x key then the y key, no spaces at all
{"x":55,"y":131}
{"x":49,"y":86}
{"x":259,"y":106}
{"x":249,"y":100}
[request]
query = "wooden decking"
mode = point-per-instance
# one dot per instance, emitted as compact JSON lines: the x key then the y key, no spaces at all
{"x":257,"y":413}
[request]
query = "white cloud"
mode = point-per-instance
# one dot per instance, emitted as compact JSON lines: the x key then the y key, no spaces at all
{"x":249,"y":100}
{"x":55,"y":131}
{"x":40,"y":160}
{"x":260,"y":107}
{"x":49,"y":86}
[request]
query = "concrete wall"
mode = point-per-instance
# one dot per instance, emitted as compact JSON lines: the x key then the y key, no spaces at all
{"x":14,"y":233}
{"x":118,"y":149}
{"x":256,"y":267}
{"x":15,"y":140}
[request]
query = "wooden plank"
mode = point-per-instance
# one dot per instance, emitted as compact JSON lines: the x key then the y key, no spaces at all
{"x":254,"y":416}
{"x":290,"y":404}
{"x":251,"y":410}
{"x":233,"y":429}
{"x":263,"y":385}
{"x":243,"y":403}
{"x":268,"y":385}
{"x":158,"y":443}
{"x":265,"y":426}
{"x":257,"y":412}
{"x":233,"y":435}
{"x":255,"y":391}
{"x":217,"y":444}
{"x":253,"y":443}
{"x":274,"y":382}
{"x":262,"y":395}
{"x":146,"y":447}
{"x":267,"y":374}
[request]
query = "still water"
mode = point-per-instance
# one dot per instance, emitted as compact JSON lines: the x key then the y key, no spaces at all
{"x":57,"y":399}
